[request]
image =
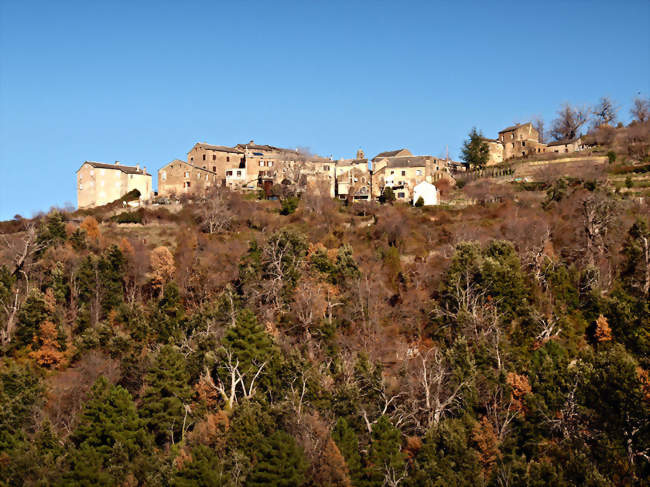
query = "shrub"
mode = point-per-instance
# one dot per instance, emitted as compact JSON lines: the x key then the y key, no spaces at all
{"x":128,"y":217}
{"x":289,"y":205}
{"x":420,"y":202}
{"x":611,"y":156}
{"x":628,"y":182}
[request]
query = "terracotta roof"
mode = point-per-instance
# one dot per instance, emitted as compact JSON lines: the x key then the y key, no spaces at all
{"x":514,"y":127}
{"x":119,"y":167}
{"x":391,"y":153}
{"x":187,"y":164}
{"x":253,"y":146}
{"x":489,"y":140}
{"x":563,"y":142}
{"x":218,"y":148}
{"x":408,"y":161}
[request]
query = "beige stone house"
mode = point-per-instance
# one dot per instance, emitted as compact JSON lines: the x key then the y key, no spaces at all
{"x":99,"y":183}
{"x":352,"y":179}
{"x":495,"y":148}
{"x":565,"y":146}
{"x":179,"y":177}
{"x":520,"y":140}
{"x":214,"y":158}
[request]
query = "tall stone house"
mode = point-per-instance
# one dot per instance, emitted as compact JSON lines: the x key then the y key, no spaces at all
{"x":522,"y":140}
{"x":99,"y":183}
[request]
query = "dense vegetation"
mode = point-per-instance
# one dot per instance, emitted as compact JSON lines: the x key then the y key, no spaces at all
{"x":238,"y":343}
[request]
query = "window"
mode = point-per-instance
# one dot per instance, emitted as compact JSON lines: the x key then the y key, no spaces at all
{"x":326,"y":168}
{"x":403,"y":173}
{"x":192,"y":158}
{"x":418,"y":172}
{"x":214,"y":157}
{"x":187,"y":184}
{"x":81,"y":186}
{"x":523,"y":143}
{"x":227,"y":158}
{"x":238,"y":173}
{"x":204,"y":157}
{"x":269,"y":163}
{"x":228,"y":173}
{"x":392,"y":172}
{"x":163,"y":175}
{"x":187,"y":174}
{"x":261,"y":163}
{"x":400,"y":195}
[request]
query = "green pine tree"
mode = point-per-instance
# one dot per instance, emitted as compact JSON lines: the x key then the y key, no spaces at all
{"x":348,"y":443}
{"x":280,"y":463}
{"x":475,"y":151}
{"x":166,"y":394}
{"x":385,"y":456}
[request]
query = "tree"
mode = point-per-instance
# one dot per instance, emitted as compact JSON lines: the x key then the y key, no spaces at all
{"x":348,"y":443}
{"x":636,"y":251}
{"x":387,"y":196}
{"x":47,"y":351}
{"x":204,"y":468}
{"x":475,"y":151}
{"x":280,"y":463}
{"x":110,"y":434}
{"x":166,"y":398}
{"x":568,"y":122}
{"x":162,"y":267}
{"x":420,"y":202}
{"x":538,"y":124}
{"x":386,"y":461}
{"x":603,"y":332}
{"x":604,"y":112}
{"x":215,"y":213}
{"x":640,"y":110}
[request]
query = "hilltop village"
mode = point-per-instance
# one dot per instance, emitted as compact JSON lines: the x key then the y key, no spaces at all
{"x":254,"y":167}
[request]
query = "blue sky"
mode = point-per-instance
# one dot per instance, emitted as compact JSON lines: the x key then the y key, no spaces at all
{"x":141,"y":82}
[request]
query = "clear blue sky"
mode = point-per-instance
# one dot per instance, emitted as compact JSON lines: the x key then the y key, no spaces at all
{"x":141,"y":82}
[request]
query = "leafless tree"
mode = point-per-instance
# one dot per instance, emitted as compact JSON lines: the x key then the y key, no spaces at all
{"x":569,"y":121}
{"x":538,"y":124}
{"x":215,"y":212}
{"x":640,"y":110}
{"x":604,"y":112}
{"x":598,"y":215}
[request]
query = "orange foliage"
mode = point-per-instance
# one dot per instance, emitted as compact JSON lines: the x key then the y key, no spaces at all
{"x":206,"y":393}
{"x":212,"y":430}
{"x":49,"y":352}
{"x":487,"y":444}
{"x":126,"y":248}
{"x":520,"y":388}
{"x":91,"y":227}
{"x":331,"y":468}
{"x":603,"y":332}
{"x":644,"y":377}
{"x":413,"y":445}
{"x":162,"y":266}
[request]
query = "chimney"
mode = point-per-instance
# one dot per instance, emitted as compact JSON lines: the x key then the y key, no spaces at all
{"x":144,"y":169}
{"x":117,"y":163}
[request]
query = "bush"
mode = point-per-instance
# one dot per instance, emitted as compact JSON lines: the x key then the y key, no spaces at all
{"x":420,"y":202}
{"x":628,"y":182}
{"x":128,"y":217}
{"x":611,"y":156}
{"x":289,"y":205}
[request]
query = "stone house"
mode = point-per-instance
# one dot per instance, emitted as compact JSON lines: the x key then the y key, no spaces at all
{"x":565,"y":146}
{"x":496,"y":151}
{"x":179,"y":177}
{"x":520,"y":140}
{"x":352,"y":178}
{"x":214,"y":158}
{"x":402,"y":173}
{"x":99,"y":183}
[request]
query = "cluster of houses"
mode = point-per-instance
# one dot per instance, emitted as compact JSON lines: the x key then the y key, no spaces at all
{"x":254,"y":167}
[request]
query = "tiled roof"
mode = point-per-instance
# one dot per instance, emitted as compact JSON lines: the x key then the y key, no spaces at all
{"x":178,"y":161}
{"x":514,"y":127}
{"x":408,"y":161}
{"x":218,"y":148}
{"x":119,"y":167}
{"x":391,"y":153}
{"x":563,"y":142}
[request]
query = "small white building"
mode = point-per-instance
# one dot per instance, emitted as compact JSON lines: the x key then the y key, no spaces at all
{"x":427,"y":191}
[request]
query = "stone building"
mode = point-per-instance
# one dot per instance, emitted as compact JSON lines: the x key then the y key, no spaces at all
{"x":179,"y":177}
{"x":214,"y":158}
{"x":495,"y":148}
{"x":352,"y":179}
{"x":520,"y":140}
{"x":99,"y":183}
{"x":565,"y":146}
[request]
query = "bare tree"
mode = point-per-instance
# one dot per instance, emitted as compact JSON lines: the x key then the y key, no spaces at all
{"x":568,"y":122}
{"x":640,"y":110}
{"x":216,"y":215}
{"x":538,"y":124}
{"x":604,"y":112}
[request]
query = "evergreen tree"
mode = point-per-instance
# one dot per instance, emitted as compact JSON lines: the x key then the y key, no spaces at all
{"x":167,"y":393}
{"x":385,"y":457}
{"x":34,"y":311}
{"x":636,"y":251}
{"x":249,"y":342}
{"x":475,"y":151}
{"x":280,"y":463}
{"x":205,"y":469}
{"x":168,"y":317}
{"x":108,"y":439}
{"x":348,"y":443}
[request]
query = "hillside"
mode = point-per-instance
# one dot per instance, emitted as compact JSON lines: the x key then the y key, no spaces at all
{"x":499,"y":341}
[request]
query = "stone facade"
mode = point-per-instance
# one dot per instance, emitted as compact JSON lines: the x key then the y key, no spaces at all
{"x":565,"y":146}
{"x":99,"y":183}
{"x":403,"y":172}
{"x":180,"y":177}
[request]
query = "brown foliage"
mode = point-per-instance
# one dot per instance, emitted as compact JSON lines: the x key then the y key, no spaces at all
{"x":520,"y":388}
{"x":603,"y":332}
{"x":48,"y":352}
{"x":162,"y":267}
{"x":91,"y":227}
{"x":487,"y":443}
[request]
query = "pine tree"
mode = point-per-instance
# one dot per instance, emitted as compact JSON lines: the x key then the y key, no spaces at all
{"x":385,"y":456}
{"x":204,"y":469}
{"x":34,"y":311}
{"x":110,"y":434}
{"x":348,"y":443}
{"x":475,"y":151}
{"x":249,"y":342}
{"x":280,"y":463}
{"x":167,"y":393}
